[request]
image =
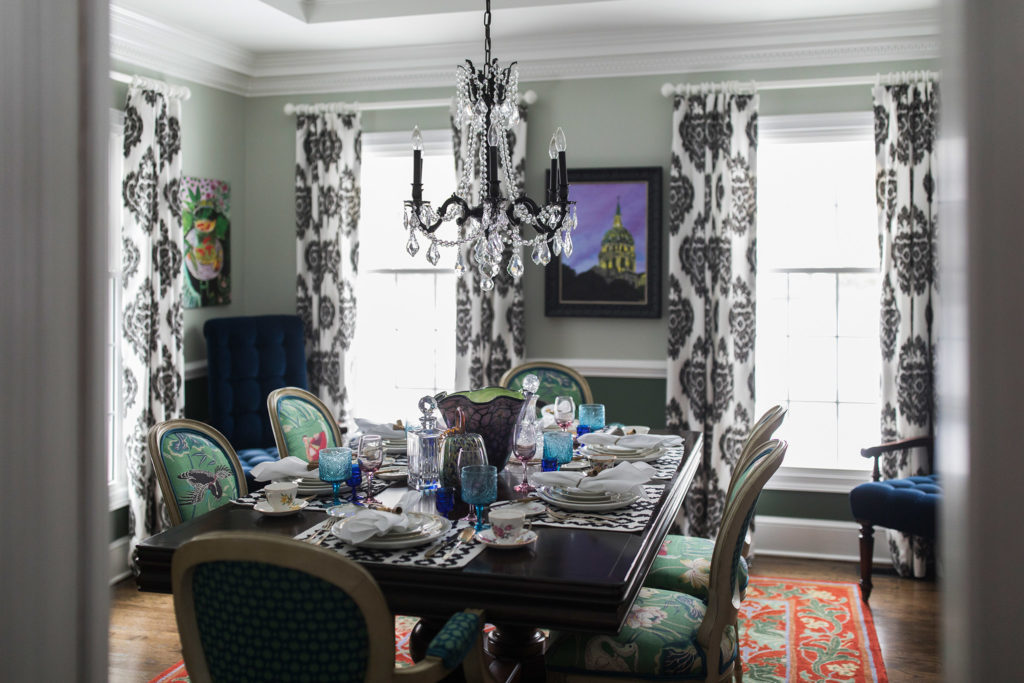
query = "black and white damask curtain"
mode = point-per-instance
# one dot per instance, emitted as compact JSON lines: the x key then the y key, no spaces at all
{"x":328,"y":153}
{"x":905,"y":137}
{"x":490,"y":333}
{"x":152,"y":384}
{"x":712,"y":264}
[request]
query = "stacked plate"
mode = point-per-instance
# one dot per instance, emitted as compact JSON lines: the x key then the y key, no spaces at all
{"x":313,"y":486}
{"x":625,"y":454}
{"x":572,"y":498}
{"x":422,"y":528}
{"x":394,"y":446}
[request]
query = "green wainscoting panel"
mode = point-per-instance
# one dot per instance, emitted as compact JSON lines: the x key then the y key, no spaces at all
{"x":805,"y":504}
{"x":197,"y":399}
{"x":118,"y":523}
{"x":633,"y":401}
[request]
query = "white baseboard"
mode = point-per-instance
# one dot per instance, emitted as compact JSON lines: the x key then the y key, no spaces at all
{"x":816,"y":539}
{"x":119,"y":568}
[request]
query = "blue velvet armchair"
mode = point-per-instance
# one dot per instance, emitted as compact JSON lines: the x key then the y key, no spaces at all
{"x":247,"y":358}
{"x":910,"y":504}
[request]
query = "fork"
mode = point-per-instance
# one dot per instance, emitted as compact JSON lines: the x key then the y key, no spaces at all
{"x":562,"y":516}
{"x":321,"y":534}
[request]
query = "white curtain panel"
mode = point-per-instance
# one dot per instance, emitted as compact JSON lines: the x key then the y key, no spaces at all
{"x":712,"y":265}
{"x":328,"y":153}
{"x":905,"y":137}
{"x":152,"y":359}
{"x":490,"y":333}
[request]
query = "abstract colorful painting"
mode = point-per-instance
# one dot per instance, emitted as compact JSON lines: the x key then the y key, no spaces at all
{"x":205,"y":204}
{"x":614,"y":269}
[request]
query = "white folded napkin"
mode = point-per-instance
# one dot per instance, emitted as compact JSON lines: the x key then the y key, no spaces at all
{"x":384,"y":430}
{"x":285,"y":468}
{"x":626,"y":477}
{"x":633,"y":441}
{"x":368,"y":523}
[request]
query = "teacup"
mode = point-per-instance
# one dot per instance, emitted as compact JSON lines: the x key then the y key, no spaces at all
{"x":507,"y":523}
{"x":281,"y":494}
{"x":601,"y":462}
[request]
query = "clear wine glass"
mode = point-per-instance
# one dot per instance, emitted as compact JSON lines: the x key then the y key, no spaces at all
{"x":525,"y":448}
{"x":371,"y":457}
{"x":565,"y":411}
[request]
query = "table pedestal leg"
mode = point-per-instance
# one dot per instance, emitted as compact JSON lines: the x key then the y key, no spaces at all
{"x":518,"y":653}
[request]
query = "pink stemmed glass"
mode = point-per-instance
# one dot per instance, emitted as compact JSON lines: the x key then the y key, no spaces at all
{"x":371,"y":457}
{"x":525,"y":448}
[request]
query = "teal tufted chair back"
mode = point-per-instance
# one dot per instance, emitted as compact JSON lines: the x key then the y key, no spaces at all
{"x":197,"y":469}
{"x":259,"y":607}
{"x":555,"y":380}
{"x":259,"y":622}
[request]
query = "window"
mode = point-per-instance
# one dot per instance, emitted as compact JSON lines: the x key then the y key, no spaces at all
{"x":405,"y":327}
{"x":818,"y":286}
{"x":117,"y":471}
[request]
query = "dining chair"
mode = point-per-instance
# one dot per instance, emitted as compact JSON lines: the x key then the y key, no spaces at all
{"x":555,"y":380}
{"x":196,"y":467}
{"x":670,"y":635}
{"x":302,"y":424}
{"x":684,"y":562}
{"x":259,"y":607}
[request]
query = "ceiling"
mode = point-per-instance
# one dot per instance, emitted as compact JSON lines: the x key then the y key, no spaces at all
{"x":262,"y":47}
{"x":266,"y":26}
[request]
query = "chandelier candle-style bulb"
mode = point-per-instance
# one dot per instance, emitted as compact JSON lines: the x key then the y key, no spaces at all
{"x":490,"y":225}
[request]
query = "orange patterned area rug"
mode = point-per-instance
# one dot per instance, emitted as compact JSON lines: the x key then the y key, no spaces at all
{"x":790,"y":631}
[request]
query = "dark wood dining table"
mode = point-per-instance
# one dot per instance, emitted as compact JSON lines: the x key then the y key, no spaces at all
{"x":571,"y":579}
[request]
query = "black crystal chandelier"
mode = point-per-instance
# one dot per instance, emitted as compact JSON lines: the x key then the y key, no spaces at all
{"x":487,"y":104}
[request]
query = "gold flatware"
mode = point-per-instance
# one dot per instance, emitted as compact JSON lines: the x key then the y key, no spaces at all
{"x":436,"y":548}
{"x":562,"y":516}
{"x":321,"y":534}
{"x":464,"y":536}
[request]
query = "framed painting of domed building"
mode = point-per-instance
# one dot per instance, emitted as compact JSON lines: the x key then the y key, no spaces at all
{"x":614,"y":267}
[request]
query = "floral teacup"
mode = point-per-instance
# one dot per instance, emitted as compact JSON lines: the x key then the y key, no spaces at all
{"x":281,"y":494}
{"x":507,"y":523}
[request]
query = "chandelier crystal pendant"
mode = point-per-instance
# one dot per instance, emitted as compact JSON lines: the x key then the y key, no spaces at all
{"x":487,"y":103}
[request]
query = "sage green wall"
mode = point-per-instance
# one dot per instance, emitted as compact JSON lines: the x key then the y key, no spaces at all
{"x":213,"y":145}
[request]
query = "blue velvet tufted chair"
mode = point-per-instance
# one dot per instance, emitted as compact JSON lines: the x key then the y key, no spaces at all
{"x":247,"y":358}
{"x":910,"y":504}
{"x":259,"y":607}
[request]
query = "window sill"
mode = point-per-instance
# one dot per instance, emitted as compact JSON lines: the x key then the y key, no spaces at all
{"x":812,"y":480}
{"x":117,"y":493}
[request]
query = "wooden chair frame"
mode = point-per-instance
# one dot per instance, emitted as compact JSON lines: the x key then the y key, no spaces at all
{"x":156,"y":435}
{"x":275,"y":423}
{"x":867,"y":528}
{"x":588,"y":395}
{"x":314,"y":561}
{"x":723,"y":596}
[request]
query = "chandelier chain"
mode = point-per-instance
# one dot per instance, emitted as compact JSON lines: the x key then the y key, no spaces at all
{"x":487,"y":35}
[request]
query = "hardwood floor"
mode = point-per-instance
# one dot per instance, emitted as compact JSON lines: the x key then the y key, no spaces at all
{"x":144,"y":636}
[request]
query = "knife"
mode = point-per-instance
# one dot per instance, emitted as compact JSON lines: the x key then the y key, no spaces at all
{"x":464,"y":536}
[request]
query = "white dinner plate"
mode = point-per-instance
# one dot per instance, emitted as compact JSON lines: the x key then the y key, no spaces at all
{"x":402,"y":539}
{"x":650,"y":456}
{"x":624,"y":501}
{"x":392,"y":474}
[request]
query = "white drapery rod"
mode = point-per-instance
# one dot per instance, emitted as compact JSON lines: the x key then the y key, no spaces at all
{"x":151,"y":84}
{"x":529,"y":97}
{"x":669,"y":89}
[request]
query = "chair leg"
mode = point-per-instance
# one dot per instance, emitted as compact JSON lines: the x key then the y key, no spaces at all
{"x":867,"y":551}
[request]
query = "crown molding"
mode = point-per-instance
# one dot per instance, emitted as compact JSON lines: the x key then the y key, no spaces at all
{"x":871,"y":38}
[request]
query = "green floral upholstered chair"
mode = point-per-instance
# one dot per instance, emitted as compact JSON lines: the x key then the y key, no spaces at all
{"x":196,"y":466}
{"x":669,"y":635}
{"x":684,"y":562}
{"x":555,"y":380}
{"x":260,"y":607}
{"x":302,"y":424}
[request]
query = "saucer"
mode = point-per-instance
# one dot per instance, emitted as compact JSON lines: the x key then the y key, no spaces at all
{"x":528,"y":509}
{"x":264,"y":507}
{"x":524,"y":539}
{"x":392,"y":474}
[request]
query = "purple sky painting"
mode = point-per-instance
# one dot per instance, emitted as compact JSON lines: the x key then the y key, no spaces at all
{"x":595,"y":209}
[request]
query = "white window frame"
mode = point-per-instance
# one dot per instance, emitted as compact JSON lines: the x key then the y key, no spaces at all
{"x":117,"y":487}
{"x":436,"y":142}
{"x":837,"y":127}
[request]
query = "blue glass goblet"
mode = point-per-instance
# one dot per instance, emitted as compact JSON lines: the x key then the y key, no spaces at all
{"x":557,"y":449}
{"x":479,"y":489}
{"x":335,"y":467}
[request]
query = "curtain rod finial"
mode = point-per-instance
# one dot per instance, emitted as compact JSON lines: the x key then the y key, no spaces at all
{"x":667,"y":90}
{"x":530,"y":97}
